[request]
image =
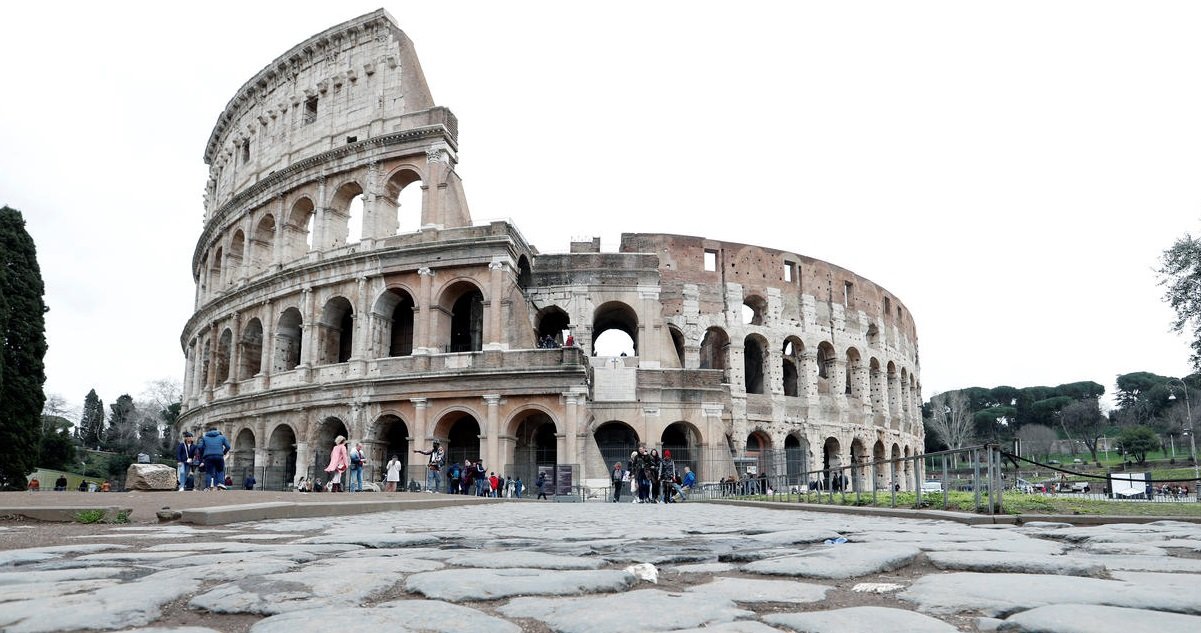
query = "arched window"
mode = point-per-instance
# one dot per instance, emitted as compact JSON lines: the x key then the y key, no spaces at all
{"x":336,"y":330}
{"x":753,"y":310}
{"x":216,"y":281}
{"x":233,"y":259}
{"x":464,"y":330}
{"x":793,"y":347}
{"x":288,"y":333}
{"x":715,"y":348}
{"x":394,"y":314}
{"x":300,"y":228}
{"x":344,"y":217}
{"x":825,"y":360}
{"x":405,"y":195}
{"x":677,"y":342}
{"x":251,"y":353}
{"x":263,"y":244}
{"x":552,"y":322}
{"x":223,"y":353}
{"x":615,"y":330}
{"x":755,"y":361}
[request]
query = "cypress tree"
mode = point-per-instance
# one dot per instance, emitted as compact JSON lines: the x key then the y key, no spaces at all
{"x":22,"y":350}
{"x":91,"y":423}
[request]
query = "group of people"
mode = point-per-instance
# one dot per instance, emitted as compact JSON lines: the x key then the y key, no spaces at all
{"x":352,"y":461}
{"x":467,"y":478}
{"x":60,"y":485}
{"x":652,"y":477}
{"x":201,"y":465}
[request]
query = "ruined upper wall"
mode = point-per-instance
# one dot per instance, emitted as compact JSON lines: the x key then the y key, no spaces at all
{"x":355,"y":81}
{"x":756,"y":269}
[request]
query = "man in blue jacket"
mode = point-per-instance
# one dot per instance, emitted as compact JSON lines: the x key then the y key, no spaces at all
{"x":185,"y":457}
{"x":213,"y":448}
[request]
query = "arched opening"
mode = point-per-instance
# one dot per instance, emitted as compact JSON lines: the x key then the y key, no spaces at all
{"x":833,"y":478}
{"x":852,"y":385}
{"x":336,"y":330}
{"x":391,"y":438}
{"x":463,"y":439}
{"x":404,"y":193}
{"x":683,"y":440}
{"x":796,"y":458}
{"x":262,"y":244}
{"x":280,"y":470}
{"x":755,"y":361}
{"x":233,"y":259}
{"x":615,"y":440}
{"x":202,"y":277}
{"x":873,"y":335}
{"x":792,"y":366}
{"x":753,"y":309}
{"x":525,"y":276}
{"x":288,"y":333}
{"x":242,"y":456}
{"x":345,"y":215}
{"x":858,"y":459}
{"x":880,"y":468}
{"x":536,"y":445}
{"x":677,"y":343}
{"x":394,"y":322}
{"x":895,"y":469}
{"x":206,"y":360}
{"x":250,"y":357}
{"x":758,"y":449}
{"x":224,"y":345}
{"x":715,"y":349}
{"x":465,"y":304}
{"x":300,"y":228}
{"x":216,"y":281}
{"x":610,"y":321}
{"x":908,"y":469}
{"x":552,"y":322}
{"x":825,"y":360}
{"x":323,"y":443}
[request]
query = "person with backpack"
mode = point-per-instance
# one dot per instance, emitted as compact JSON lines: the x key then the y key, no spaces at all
{"x":454,"y":479}
{"x":213,"y":449}
{"x":355,"y":479}
{"x":437,"y":458}
{"x":540,"y":484}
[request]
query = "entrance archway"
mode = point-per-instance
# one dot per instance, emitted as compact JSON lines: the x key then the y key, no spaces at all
{"x":463,"y":439}
{"x":881,"y":469}
{"x":616,"y":440}
{"x":280,"y":470}
{"x":536,"y":445}
{"x":831,"y":462}
{"x":683,"y":440}
{"x":242,"y":461}
{"x":796,"y":458}
{"x":323,"y":442}
{"x":391,"y":438}
{"x":858,"y":458}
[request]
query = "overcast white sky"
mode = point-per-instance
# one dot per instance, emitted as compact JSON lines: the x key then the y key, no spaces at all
{"x":1012,"y":171}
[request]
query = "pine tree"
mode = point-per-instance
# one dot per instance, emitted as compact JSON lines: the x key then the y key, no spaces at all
{"x":122,"y":433}
{"x":22,"y":350}
{"x":91,"y":424}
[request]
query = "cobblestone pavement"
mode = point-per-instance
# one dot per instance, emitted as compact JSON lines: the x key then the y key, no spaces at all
{"x":597,"y":567}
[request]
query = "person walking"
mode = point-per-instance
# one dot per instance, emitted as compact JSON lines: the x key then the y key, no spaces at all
{"x":185,"y":457}
{"x":394,"y":467}
{"x":667,"y":477}
{"x":540,"y":484}
{"x":437,"y":457}
{"x":213,"y":449}
{"x":481,"y":479}
{"x":339,"y":461}
{"x":640,"y":465}
{"x":354,"y":480}
{"x":618,"y":478}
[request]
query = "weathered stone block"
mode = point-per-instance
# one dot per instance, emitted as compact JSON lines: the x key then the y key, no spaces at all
{"x":151,"y":477}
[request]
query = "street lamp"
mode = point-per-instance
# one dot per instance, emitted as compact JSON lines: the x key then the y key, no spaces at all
{"x":1188,"y":412}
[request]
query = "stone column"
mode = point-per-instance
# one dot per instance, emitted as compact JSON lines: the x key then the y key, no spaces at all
{"x":215,"y":342}
{"x":420,"y":440}
{"x":494,"y":332}
{"x":423,"y":329}
{"x":649,"y":345}
{"x":267,"y":359}
{"x":320,"y":231}
{"x":309,"y":331}
{"x":492,"y":432}
{"x":304,"y":459}
{"x":571,"y":451}
{"x":235,"y":353}
{"x":362,"y":325}
{"x":280,"y":244}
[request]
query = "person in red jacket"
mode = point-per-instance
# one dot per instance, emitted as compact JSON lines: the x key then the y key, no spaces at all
{"x":494,"y":481}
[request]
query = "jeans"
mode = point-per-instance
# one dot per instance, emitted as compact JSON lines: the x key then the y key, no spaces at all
{"x":355,"y":480}
{"x":182,"y":469}
{"x":431,"y":480}
{"x":480,"y":487}
{"x":214,"y":471}
{"x":617,"y":486}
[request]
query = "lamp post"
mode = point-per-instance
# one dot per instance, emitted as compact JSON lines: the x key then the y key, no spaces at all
{"x":1188,"y":412}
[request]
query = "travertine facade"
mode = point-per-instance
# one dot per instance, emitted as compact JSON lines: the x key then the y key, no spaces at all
{"x":319,"y":313}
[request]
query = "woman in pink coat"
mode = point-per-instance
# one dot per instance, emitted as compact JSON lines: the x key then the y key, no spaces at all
{"x":339,"y":461}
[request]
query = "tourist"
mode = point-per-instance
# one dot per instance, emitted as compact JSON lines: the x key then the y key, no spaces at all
{"x":570,"y":341}
{"x":640,"y":465}
{"x":652,"y":473}
{"x":393,"y":477}
{"x":618,"y":478}
{"x":185,"y":457}
{"x":493,"y":485}
{"x":302,"y":485}
{"x":339,"y":461}
{"x":249,"y":481}
{"x":481,"y":478}
{"x":667,"y":476}
{"x":518,"y":487}
{"x":35,"y":485}
{"x":357,"y":460}
{"x":105,"y":486}
{"x":60,"y":484}
{"x":213,"y":449}
{"x":83,"y":485}
{"x":454,"y":478}
{"x":540,"y":484}
{"x":436,"y":459}
{"x":688,"y":483}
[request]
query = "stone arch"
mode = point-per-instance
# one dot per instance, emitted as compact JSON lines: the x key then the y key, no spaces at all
{"x":216,"y":279}
{"x":677,"y":344}
{"x":224,"y":350}
{"x":853,"y":386}
{"x":344,"y":215}
{"x":321,"y":439}
{"x":403,"y":201}
{"x":535,"y":442}
{"x":393,"y":325}
{"x":893,"y":389}
{"x":796,"y":459}
{"x":878,"y":388}
{"x":715,"y":349}
{"x":759,"y":449}
{"x":754,"y":310}
{"x":825,"y":362}
{"x":858,"y":459}
{"x":525,"y":277}
{"x":335,"y":331}
{"x":299,"y":227}
{"x":262,"y":244}
{"x":551,"y":321}
{"x":832,"y":478}
{"x":233,"y":257}
{"x":388,"y":436}
{"x":202,"y":275}
{"x":615,"y":440}
{"x":460,"y":429}
{"x":289,"y":334}
{"x":250,"y":355}
{"x":241,"y":459}
{"x":460,"y":322}
{"x":879,"y":456}
{"x":206,"y":363}
{"x":615,"y":316}
{"x":755,"y":361}
{"x":279,"y":471}
{"x":684,"y":441}
{"x":795,"y":380}
{"x":896,"y":468}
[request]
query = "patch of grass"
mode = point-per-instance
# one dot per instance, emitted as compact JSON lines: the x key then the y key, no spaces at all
{"x":122,"y":517}
{"x":1013,"y":502}
{"x":89,"y":516}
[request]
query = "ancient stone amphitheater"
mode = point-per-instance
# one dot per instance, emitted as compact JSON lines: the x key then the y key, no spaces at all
{"x":342,"y":289}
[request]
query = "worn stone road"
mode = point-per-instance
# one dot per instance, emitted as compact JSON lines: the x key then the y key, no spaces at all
{"x":542,"y":567}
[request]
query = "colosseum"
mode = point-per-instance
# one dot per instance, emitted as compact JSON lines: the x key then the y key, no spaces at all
{"x":342,"y":289}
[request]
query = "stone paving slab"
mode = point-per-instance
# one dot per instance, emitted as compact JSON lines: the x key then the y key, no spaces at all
{"x":860,"y":620}
{"x":848,"y":560}
{"x":1077,"y":618}
{"x":409,"y":616}
{"x":458,"y":585}
{"x":540,"y":560}
{"x":988,"y":561}
{"x":753,"y":590}
{"x":642,"y":610}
